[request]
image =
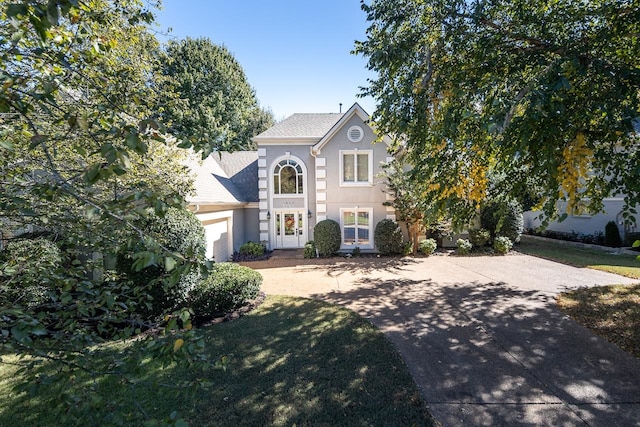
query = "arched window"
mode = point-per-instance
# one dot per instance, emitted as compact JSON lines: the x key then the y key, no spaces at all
{"x":287,"y":178}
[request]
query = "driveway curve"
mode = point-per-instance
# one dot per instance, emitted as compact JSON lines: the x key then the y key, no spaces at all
{"x":482,"y":336}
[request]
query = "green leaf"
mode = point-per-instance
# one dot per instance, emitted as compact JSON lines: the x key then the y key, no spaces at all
{"x":52,"y":12}
{"x":93,"y":173}
{"x":169,"y":263}
{"x":13,"y":10}
{"x":37,"y":140}
{"x":636,"y":244}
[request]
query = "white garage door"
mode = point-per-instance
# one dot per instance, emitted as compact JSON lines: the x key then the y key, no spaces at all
{"x":218,"y":240}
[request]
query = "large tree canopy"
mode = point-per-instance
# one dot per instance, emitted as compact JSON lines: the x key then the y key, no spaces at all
{"x":83,"y":162}
{"x":216,"y":109}
{"x":538,"y":95}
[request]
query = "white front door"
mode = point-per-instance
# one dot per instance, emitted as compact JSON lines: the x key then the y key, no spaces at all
{"x":290,"y":229}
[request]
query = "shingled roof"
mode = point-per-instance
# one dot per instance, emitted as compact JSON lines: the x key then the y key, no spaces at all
{"x":301,"y":125}
{"x":225,"y":178}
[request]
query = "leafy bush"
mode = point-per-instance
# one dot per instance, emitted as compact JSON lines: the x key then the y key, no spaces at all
{"x":388,"y":238}
{"x":463,"y":246}
{"x":252,"y":249}
{"x":327,"y":237}
{"x":428,"y":246}
{"x":479,"y":237}
{"x":612,"y":235}
{"x":28,"y":269}
{"x":179,"y":231}
{"x":356,"y":252}
{"x":631,"y":237}
{"x":502,"y":245}
{"x":503,"y":218}
{"x":228,"y":287}
{"x":310,"y":249}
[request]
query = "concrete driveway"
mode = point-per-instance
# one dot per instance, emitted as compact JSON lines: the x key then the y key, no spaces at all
{"x":482,"y":336}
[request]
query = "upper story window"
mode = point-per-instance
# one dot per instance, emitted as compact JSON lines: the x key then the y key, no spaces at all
{"x":288,"y":178}
{"x":356,"y":167}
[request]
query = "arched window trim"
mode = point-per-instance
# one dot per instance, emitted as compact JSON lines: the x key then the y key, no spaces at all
{"x":300,"y":175}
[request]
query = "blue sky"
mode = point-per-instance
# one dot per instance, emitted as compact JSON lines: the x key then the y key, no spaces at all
{"x":296,"y":54}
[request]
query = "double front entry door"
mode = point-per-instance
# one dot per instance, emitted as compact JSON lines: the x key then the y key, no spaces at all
{"x":290,"y":229}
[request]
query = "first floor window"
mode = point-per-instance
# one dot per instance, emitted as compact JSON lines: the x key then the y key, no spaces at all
{"x":356,"y":227}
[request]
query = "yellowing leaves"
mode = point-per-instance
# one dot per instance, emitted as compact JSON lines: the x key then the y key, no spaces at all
{"x":178,"y":344}
{"x":574,"y":170}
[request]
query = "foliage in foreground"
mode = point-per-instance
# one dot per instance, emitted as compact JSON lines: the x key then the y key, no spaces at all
{"x":612,"y":312}
{"x":84,"y":160}
{"x":477,"y":88}
{"x":343,"y":372}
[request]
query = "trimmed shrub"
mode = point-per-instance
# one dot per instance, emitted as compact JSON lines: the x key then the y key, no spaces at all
{"x":28,"y":268}
{"x":479,"y":237}
{"x":228,"y":287}
{"x":252,"y":249}
{"x":502,"y":245}
{"x":428,"y":246}
{"x":463,"y":246}
{"x":327,"y":237}
{"x":388,"y":238}
{"x":503,"y":218}
{"x":612,"y":235}
{"x":179,"y":231}
{"x":310,"y":249}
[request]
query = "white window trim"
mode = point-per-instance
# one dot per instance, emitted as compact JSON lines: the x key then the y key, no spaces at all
{"x":356,"y":209}
{"x":270,"y":176}
{"x":369,"y":181}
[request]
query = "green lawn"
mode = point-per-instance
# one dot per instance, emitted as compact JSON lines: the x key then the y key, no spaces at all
{"x":625,"y":265}
{"x":292,"y":361}
{"x":612,"y":312}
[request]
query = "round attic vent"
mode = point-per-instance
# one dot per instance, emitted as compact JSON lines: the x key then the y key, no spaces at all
{"x":355,"y":134}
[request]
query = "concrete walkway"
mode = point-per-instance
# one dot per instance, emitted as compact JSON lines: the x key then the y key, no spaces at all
{"x":482,"y":336}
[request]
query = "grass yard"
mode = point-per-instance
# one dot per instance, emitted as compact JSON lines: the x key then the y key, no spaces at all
{"x":292,"y":361}
{"x":612,"y":312}
{"x":624,"y":265}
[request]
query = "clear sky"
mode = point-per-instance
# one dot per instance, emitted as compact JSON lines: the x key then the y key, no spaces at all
{"x":295,"y":53}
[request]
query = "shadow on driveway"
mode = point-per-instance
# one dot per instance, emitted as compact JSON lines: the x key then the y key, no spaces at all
{"x":490,"y":354}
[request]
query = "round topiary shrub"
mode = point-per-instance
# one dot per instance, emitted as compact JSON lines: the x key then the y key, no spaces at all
{"x":327,"y":237}
{"x":503,"y":218}
{"x":388,"y":238}
{"x":479,"y":237}
{"x":612,"y":235}
{"x":228,"y":287}
{"x":502,"y":245}
{"x":179,"y":231}
{"x":428,"y":246}
{"x":28,"y":268}
{"x":463,"y":247}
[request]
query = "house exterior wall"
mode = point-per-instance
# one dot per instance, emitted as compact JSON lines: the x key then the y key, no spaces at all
{"x":268,"y":157}
{"x":586,"y":224}
{"x":340,"y":197}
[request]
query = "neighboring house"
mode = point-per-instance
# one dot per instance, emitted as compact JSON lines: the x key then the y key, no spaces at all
{"x":308,"y":167}
{"x":226,"y":200}
{"x":590,"y":224}
{"x":586,"y":224}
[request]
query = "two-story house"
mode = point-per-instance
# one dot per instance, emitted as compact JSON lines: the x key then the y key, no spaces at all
{"x":310,"y":167}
